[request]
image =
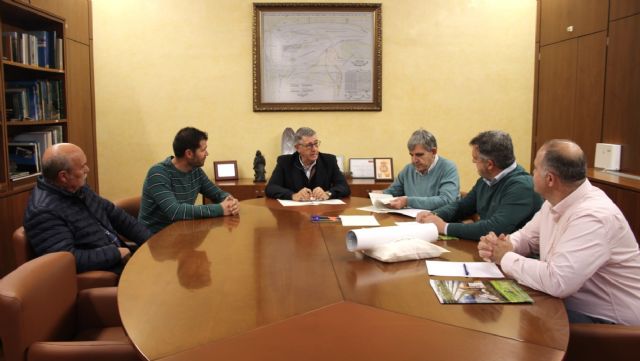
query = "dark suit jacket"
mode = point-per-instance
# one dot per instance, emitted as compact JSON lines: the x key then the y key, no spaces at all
{"x":288,"y":177}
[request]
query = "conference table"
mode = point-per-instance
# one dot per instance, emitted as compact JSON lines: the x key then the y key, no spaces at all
{"x":270,"y":284}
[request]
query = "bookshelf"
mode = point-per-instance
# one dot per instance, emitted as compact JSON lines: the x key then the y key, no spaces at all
{"x":46,"y":81}
{"x":33,"y":88}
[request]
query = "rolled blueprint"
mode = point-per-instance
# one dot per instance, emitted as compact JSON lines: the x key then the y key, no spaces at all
{"x":368,"y":238}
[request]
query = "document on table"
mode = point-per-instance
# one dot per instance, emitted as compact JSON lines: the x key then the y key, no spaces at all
{"x":380,"y":202}
{"x":350,"y":221}
{"x":463,"y":269}
{"x":289,"y":203}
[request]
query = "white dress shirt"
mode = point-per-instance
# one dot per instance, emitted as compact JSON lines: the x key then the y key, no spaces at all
{"x":588,"y":256}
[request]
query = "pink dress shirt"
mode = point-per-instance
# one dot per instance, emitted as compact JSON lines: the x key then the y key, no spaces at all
{"x":588,"y":256}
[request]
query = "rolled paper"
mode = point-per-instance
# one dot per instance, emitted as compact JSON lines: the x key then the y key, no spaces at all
{"x":368,"y":238}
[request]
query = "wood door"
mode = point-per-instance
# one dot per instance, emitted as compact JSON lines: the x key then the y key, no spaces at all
{"x":622,"y":91}
{"x":556,"y":91}
{"x":76,"y":14}
{"x":623,"y":8}
{"x":571,"y":92}
{"x":80,"y":125}
{"x":587,"y":124}
{"x":565,"y":19}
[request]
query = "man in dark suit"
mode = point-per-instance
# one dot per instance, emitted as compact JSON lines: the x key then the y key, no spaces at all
{"x":307,"y":174}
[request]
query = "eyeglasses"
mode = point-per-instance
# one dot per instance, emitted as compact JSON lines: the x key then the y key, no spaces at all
{"x":310,"y":145}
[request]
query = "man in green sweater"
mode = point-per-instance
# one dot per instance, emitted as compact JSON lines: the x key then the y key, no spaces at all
{"x":503,"y":196}
{"x":429,"y":181}
{"x":172,"y":186}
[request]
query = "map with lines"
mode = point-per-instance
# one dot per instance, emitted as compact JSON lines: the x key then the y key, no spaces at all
{"x":317,"y":57}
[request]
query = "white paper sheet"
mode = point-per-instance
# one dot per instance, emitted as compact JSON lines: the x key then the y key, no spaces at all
{"x":379,"y":203}
{"x":352,"y":221}
{"x":457,"y":269}
{"x":367,"y":238}
{"x":289,"y":203}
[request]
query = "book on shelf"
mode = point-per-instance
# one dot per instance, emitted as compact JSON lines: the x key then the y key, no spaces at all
{"x":494,"y":291}
{"x":44,"y":139}
{"x":41,"y":99}
{"x":41,"y":48}
{"x":23,"y":157}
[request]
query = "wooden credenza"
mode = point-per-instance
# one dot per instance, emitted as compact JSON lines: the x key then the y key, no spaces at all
{"x":625,"y":193}
{"x":245,"y":188}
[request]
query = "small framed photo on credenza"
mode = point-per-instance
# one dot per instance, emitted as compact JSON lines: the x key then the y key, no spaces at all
{"x":384,"y":169}
{"x":362,"y":168}
{"x":225,"y":170}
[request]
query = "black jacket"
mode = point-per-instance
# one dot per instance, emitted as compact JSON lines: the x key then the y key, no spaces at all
{"x":57,"y":220}
{"x":288,"y":177}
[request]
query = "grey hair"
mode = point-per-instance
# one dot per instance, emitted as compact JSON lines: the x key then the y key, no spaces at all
{"x":570,"y":165}
{"x":303,"y":132}
{"x":52,"y":165}
{"x":424,"y":138}
{"x":495,"y":145}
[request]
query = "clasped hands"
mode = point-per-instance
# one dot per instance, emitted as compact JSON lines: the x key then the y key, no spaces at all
{"x":306,"y":194}
{"x":230,"y":206}
{"x":492,"y":248}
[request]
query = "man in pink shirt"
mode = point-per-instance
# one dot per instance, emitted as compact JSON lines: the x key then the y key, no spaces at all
{"x":588,"y":254}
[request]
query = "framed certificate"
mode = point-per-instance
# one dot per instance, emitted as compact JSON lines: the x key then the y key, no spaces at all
{"x":362,"y":168}
{"x":225,"y":170}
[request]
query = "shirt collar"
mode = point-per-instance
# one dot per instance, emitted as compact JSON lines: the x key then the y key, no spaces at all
{"x":433,"y":165}
{"x":576,"y":196}
{"x":306,"y":168}
{"x":500,"y":175}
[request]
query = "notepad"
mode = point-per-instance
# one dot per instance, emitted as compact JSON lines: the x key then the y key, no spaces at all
{"x":463,"y":269}
{"x":351,"y":221}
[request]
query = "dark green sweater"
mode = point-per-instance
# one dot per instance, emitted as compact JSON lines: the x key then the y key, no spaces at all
{"x":503,"y":208}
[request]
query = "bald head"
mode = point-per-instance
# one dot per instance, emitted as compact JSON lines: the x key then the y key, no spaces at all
{"x":565,"y":159}
{"x":65,"y":165}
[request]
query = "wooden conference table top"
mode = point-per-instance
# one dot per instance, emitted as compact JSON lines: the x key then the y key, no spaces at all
{"x":271,"y":285}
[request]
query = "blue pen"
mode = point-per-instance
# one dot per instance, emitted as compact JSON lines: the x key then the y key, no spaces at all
{"x":466,"y":271}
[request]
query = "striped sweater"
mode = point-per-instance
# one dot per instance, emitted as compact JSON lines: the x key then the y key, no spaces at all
{"x":169,"y":195}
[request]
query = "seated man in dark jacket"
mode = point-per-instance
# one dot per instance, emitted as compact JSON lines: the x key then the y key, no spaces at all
{"x":307,"y":174}
{"x":64,"y":214}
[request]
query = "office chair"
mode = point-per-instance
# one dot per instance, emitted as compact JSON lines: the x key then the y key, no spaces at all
{"x":602,"y":342}
{"x":43,"y":316}
{"x":130,"y":205}
{"x":23,"y":253}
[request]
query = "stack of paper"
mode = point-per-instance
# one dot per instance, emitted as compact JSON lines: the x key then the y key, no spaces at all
{"x":380,"y":204}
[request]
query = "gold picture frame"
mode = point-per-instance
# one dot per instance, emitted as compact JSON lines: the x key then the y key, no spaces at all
{"x":383,"y":169}
{"x":317,"y":56}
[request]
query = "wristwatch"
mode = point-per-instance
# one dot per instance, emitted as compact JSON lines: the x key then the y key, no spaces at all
{"x":328,"y":195}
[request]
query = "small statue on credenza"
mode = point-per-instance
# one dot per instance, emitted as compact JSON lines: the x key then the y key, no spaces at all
{"x":258,"y":168}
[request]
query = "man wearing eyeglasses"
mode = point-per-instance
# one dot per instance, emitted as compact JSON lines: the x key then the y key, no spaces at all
{"x":503,"y":196}
{"x":307,"y":174}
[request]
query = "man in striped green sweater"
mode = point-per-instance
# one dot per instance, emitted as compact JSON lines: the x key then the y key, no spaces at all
{"x":173,"y":185}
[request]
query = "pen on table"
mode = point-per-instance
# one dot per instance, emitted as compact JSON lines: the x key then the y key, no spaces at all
{"x":323,"y":218}
{"x":466,"y":271}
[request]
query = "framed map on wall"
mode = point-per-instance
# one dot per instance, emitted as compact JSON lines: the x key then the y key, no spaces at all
{"x":317,"y":56}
